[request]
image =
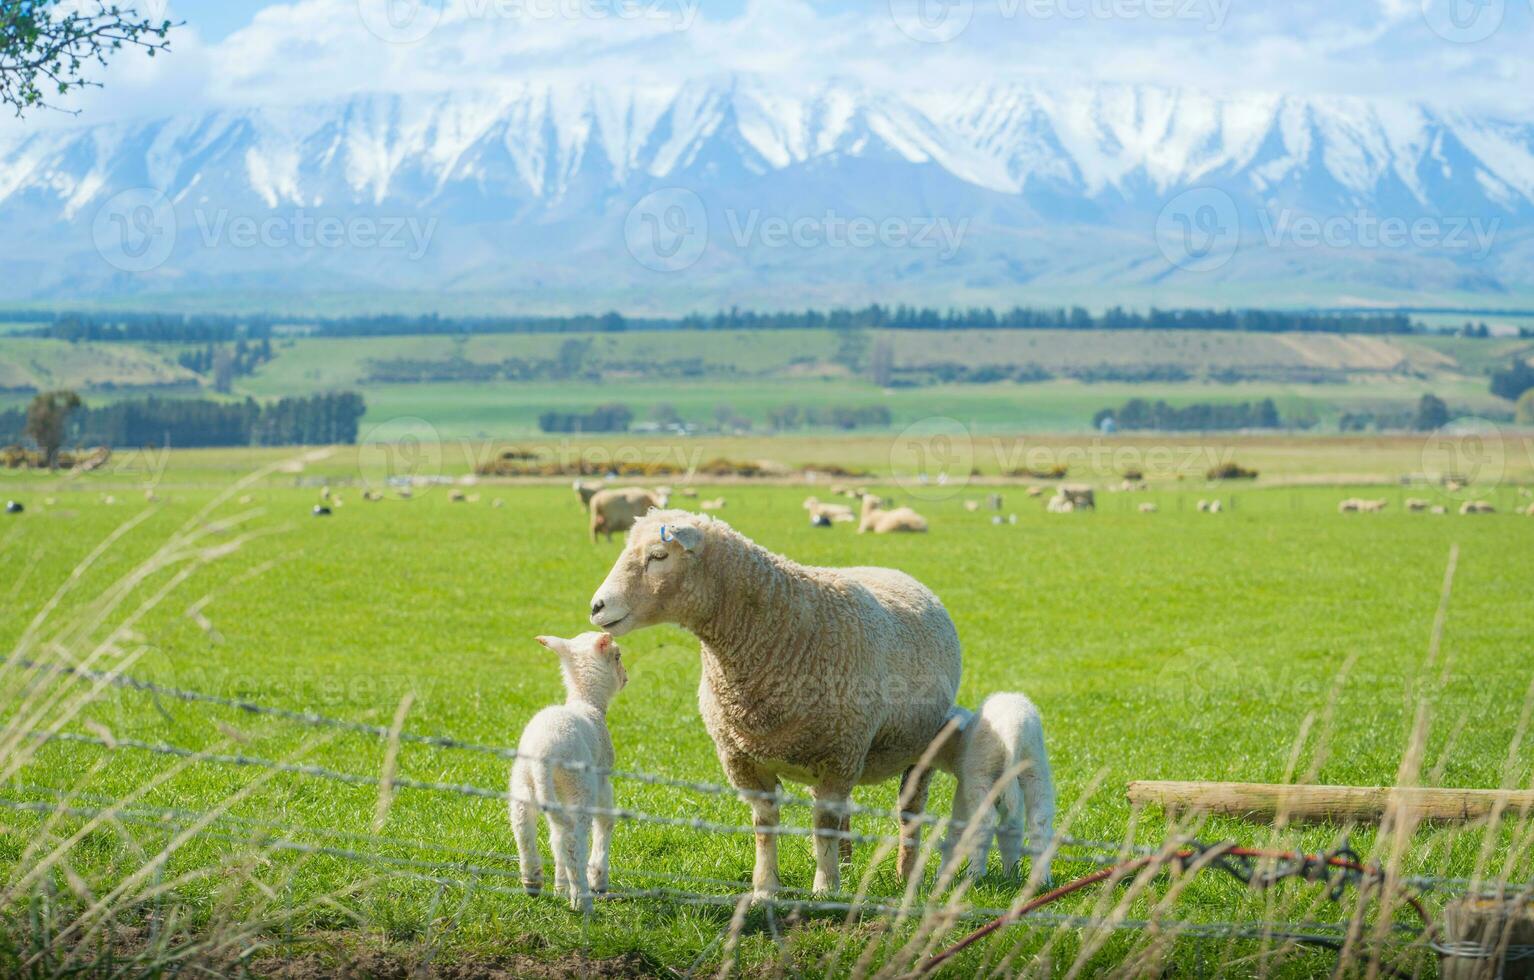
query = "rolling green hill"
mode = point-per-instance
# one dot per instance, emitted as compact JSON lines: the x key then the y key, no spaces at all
{"x":1038,"y":380}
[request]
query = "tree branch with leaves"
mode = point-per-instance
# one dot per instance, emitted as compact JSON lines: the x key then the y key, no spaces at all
{"x":47,"y":47}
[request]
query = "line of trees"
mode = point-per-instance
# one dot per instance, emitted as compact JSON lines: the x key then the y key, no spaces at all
{"x":192,"y":423}
{"x":603,"y":418}
{"x":787,"y":418}
{"x":1139,"y":413}
{"x":204,"y":328}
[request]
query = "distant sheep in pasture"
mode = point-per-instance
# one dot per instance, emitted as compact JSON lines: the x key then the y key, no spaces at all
{"x":1477,"y":507}
{"x":585,"y":491}
{"x":715,"y":504}
{"x":832,"y":512}
{"x":615,"y":511}
{"x":1416,"y":505}
{"x":881,"y":521}
{"x":1148,"y":508}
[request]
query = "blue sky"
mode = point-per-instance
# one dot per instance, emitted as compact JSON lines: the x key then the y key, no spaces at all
{"x":1472,"y":54}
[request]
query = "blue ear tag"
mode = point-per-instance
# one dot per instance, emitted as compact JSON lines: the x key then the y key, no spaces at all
{"x":664,"y":536}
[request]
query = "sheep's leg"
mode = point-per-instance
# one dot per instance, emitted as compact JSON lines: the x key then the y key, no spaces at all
{"x":982,"y":824}
{"x":1039,"y":800}
{"x":914,"y":786}
{"x":577,"y":853}
{"x":957,"y":824}
{"x":758,"y":789}
{"x":524,"y":827}
{"x":846,"y":841}
{"x":559,"y":842}
{"x":832,"y":802}
{"x":601,"y":838}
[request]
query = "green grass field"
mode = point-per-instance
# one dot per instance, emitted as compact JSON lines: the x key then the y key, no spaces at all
{"x":1272,"y":641}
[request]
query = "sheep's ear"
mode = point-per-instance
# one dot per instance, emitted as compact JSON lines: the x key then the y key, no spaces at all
{"x":686,"y":535}
{"x":553,"y":643}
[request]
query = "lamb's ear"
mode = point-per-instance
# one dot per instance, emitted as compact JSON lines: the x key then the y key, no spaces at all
{"x":604,"y":642}
{"x":553,"y":643}
{"x":686,"y":535}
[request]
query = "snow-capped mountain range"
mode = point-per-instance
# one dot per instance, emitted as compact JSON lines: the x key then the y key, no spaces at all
{"x":733,"y":190}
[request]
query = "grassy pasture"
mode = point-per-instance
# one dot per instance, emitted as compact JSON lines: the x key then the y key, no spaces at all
{"x":1174,"y":645}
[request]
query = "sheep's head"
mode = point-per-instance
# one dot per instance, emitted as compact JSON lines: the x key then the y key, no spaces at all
{"x":654,"y":576}
{"x":592,"y":666}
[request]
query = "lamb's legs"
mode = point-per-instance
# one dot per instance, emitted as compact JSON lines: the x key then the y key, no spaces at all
{"x":832,"y":803}
{"x":576,"y":842}
{"x":914,"y":786}
{"x":524,"y":827}
{"x":759,"y":790}
{"x":560,"y":829}
{"x":846,"y":841}
{"x":982,"y":824}
{"x":601,"y":838}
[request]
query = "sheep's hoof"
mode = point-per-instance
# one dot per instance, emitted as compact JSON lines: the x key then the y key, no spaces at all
{"x":533,"y":886}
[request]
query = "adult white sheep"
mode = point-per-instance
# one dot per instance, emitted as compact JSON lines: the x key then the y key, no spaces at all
{"x":832,"y":677}
{"x":880,"y":521}
{"x":615,"y":511}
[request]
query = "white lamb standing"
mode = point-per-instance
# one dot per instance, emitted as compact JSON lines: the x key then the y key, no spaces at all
{"x":998,"y":757}
{"x":562,"y":766}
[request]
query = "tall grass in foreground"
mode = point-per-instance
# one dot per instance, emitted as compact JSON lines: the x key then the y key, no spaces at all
{"x":63,"y":914}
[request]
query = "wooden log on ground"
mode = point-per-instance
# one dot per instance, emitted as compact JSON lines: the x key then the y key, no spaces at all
{"x":1358,"y":804}
{"x":1488,"y":939}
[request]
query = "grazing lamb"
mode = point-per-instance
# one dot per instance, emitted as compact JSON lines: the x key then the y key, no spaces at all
{"x":972,"y":505}
{"x":615,"y":511}
{"x":1215,"y":507}
{"x":457,"y":496}
{"x":688,"y":492}
{"x":563,"y":761}
{"x":716,"y":504}
{"x":831,"y":512}
{"x":1203,"y":506}
{"x":998,"y":756}
{"x":1476,"y":507}
{"x":881,"y":521}
{"x":586,"y":491}
{"x":1035,"y":491}
{"x":1438,"y":509}
{"x":1148,"y":508}
{"x":1080,"y":495}
{"x":832,"y":677}
{"x":1060,"y":504}
{"x":1416,"y":505}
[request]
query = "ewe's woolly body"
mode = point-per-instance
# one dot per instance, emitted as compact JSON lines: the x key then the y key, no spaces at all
{"x":827,"y":676}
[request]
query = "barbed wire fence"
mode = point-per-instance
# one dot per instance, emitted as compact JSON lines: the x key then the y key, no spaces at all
{"x":493,"y":872}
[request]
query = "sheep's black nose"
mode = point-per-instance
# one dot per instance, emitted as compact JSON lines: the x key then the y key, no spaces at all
{"x":597,"y":606}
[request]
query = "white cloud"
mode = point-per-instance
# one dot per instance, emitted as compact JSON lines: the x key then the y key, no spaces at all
{"x":322,"y":49}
